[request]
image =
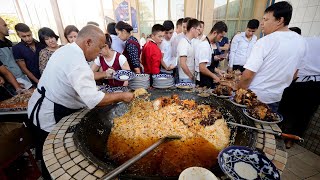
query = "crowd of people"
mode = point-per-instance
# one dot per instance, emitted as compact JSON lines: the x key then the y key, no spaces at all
{"x":65,"y":76}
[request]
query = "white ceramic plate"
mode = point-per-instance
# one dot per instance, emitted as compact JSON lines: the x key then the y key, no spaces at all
{"x":197,"y":173}
{"x":233,"y":102}
{"x":280,"y":118}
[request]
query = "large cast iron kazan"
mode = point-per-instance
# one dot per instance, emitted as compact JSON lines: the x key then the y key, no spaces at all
{"x":91,"y":134}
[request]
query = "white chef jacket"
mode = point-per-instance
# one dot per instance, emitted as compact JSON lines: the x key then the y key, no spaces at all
{"x":68,"y":81}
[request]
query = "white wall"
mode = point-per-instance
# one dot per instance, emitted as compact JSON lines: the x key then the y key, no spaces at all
{"x":306,"y":15}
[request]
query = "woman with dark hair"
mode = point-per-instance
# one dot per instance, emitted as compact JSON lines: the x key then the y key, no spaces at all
{"x":49,"y":38}
{"x":71,"y":33}
{"x":132,"y":49}
{"x":110,"y":61}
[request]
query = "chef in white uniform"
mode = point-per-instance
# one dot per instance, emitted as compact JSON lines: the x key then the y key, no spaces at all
{"x":67,"y":85}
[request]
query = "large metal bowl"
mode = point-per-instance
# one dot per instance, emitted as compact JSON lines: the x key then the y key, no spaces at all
{"x":91,"y":134}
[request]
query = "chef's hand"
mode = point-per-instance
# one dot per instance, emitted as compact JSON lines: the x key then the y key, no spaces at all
{"x":21,"y":91}
{"x":127,"y":96}
{"x":1,"y":81}
{"x":109,"y":73}
{"x":216,"y":79}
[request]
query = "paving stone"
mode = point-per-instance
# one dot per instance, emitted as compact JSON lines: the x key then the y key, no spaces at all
{"x":268,"y":145}
{"x":90,"y":169}
{"x":84,"y":163}
{"x":271,"y":136}
{"x":89,"y":177}
{"x":65,"y":176}
{"x":48,"y":146}
{"x":269,"y":151}
{"x":73,"y":170}
{"x":271,"y":141}
{"x":280,"y":159}
{"x":59,"y":136}
{"x":53,"y":167}
{"x":48,"y":151}
{"x":60,"y":149}
{"x":99,"y":173}
{"x":67,"y":123}
{"x":276,"y":128}
{"x":48,"y":157}
{"x":71,"y":149}
{"x":81,"y":174}
{"x":62,"y":131}
{"x":282,"y":153}
{"x":267,"y":127}
{"x":68,"y":165}
{"x":68,"y":135}
{"x":61,"y":154}
{"x":64,"y":127}
{"x":278,"y":165}
{"x":259,"y":146}
{"x":78,"y":158}
{"x":51,"y":161}
{"x":70,"y":144}
{"x":269,"y":156}
{"x":64,"y":159}
{"x":74,"y":123}
{"x":260,"y":140}
{"x":258,"y":125}
{"x":54,"y":131}
{"x":57,"y":173}
{"x":48,"y":142}
{"x":51,"y":136}
{"x":57,"y":145}
{"x":68,"y":140}
{"x":74,"y":154}
{"x":260,"y":135}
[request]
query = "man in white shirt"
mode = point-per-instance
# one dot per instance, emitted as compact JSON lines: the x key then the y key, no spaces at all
{"x":178,"y":28}
{"x":241,"y":46}
{"x":185,"y":53}
{"x":274,"y":58}
{"x":142,"y":41}
{"x":201,"y":36}
{"x":67,"y":85}
{"x":117,"y":44}
{"x":203,"y":56}
{"x":168,"y":63}
{"x":176,"y":40}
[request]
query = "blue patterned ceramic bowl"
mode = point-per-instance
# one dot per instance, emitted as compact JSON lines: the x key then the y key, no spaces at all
{"x":185,"y":85}
{"x":116,"y":89}
{"x":124,"y":75}
{"x":162,"y":76}
{"x":240,"y":162}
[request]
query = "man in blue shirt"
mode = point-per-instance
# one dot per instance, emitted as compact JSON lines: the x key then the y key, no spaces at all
{"x":26,"y":52}
{"x":222,"y":48}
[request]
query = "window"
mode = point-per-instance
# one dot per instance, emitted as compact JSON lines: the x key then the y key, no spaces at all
{"x":235,"y":13}
{"x":156,"y":11}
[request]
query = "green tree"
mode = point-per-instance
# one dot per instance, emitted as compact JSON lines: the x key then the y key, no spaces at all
{"x":11,"y":21}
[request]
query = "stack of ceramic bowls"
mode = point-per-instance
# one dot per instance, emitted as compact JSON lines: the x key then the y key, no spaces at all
{"x":162,"y":81}
{"x":109,"y":89}
{"x":140,"y":81}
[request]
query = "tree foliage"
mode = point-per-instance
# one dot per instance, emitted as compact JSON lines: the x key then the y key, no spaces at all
{"x":11,"y":20}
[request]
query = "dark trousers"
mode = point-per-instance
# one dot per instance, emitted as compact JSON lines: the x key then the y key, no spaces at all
{"x":39,"y":136}
{"x":206,"y":80}
{"x":299,"y":102}
{"x":238,"y":67}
